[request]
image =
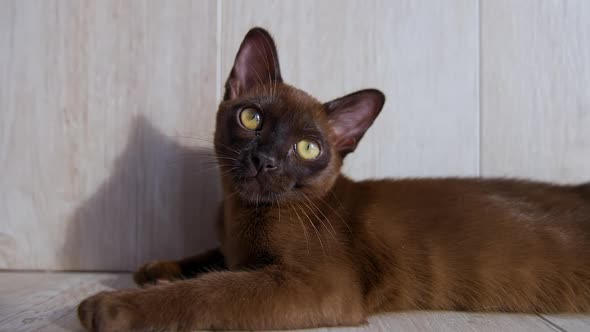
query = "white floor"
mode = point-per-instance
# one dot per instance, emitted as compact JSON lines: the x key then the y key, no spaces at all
{"x":47,"y":302}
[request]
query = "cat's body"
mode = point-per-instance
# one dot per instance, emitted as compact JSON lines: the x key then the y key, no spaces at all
{"x":454,"y":244}
{"x":304,"y":246}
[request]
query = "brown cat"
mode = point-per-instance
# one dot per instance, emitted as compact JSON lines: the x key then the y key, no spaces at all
{"x":304,"y":246}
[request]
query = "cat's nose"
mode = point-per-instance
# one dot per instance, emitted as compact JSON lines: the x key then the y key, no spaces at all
{"x":264,"y":163}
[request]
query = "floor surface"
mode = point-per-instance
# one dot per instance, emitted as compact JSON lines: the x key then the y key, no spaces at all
{"x":47,"y":302}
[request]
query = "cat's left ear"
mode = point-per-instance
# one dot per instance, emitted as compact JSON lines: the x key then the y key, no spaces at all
{"x":350,"y":117}
{"x":257,"y":63}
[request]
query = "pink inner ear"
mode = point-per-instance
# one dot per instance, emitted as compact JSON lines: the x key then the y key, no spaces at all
{"x":346,"y":144}
{"x":351,"y":116}
{"x":249,"y":63}
{"x":256,"y":64}
{"x":234,"y":88}
{"x":347,"y":127}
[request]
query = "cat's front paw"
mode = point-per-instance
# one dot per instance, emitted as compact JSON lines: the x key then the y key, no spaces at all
{"x":109,"y":312}
{"x":157,"y":273}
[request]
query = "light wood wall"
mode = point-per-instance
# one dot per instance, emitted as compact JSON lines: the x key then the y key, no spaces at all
{"x":106,"y":107}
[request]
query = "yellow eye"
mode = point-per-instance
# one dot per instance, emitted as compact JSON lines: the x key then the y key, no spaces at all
{"x":250,"y":118}
{"x":307,"y":149}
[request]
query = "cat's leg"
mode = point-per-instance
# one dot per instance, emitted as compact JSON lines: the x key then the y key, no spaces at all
{"x":166,"y":271}
{"x":269,"y":298}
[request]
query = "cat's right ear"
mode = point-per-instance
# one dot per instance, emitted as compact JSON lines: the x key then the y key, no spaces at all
{"x":257,"y":63}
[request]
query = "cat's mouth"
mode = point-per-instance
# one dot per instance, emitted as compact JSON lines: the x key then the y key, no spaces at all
{"x":259,"y":189}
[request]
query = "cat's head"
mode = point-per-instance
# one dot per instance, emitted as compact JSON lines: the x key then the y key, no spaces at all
{"x":276,"y":142}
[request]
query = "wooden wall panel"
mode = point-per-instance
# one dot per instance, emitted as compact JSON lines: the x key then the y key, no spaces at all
{"x":536,"y":89}
{"x":421,"y":54}
{"x":94,"y":95}
{"x":106,"y":107}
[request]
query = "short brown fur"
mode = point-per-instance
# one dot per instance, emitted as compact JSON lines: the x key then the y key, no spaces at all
{"x":330,"y":251}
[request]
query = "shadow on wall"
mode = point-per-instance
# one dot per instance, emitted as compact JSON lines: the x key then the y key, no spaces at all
{"x":160,"y":202}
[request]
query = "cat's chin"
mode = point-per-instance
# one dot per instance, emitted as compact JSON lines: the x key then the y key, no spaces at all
{"x":262,"y":197}
{"x":253,"y":191}
{"x":254,"y":198}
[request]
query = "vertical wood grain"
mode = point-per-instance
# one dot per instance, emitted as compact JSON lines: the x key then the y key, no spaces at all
{"x":421,"y":54}
{"x":106,"y":107}
{"x":94,"y":97}
{"x":535,"y":89}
